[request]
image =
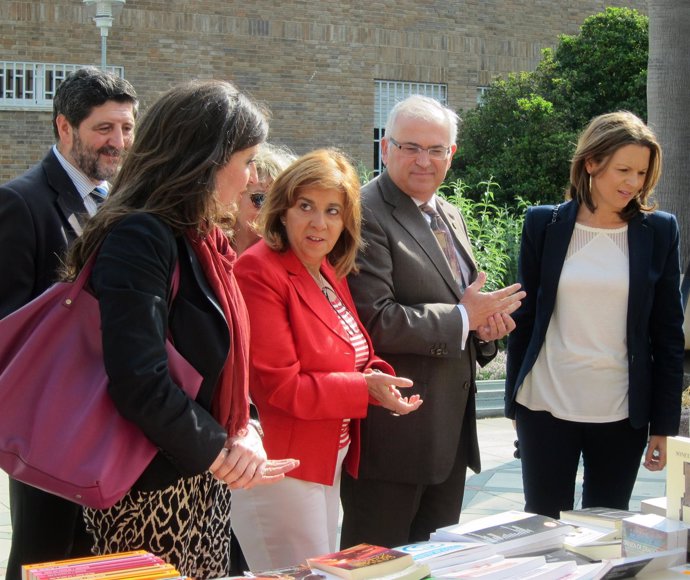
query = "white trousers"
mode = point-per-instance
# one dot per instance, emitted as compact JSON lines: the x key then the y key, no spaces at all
{"x":282,"y":524}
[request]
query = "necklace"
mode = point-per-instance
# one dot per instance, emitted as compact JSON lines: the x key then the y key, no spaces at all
{"x":338,"y":306}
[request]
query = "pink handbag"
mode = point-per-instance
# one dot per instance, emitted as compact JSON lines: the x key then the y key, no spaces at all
{"x":59,"y":429}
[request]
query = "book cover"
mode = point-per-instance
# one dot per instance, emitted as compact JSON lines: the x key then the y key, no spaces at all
{"x":442,"y":554}
{"x":597,"y":516}
{"x":291,"y":573}
{"x":550,"y":571}
{"x":654,"y":505}
{"x":505,"y":568}
{"x":645,"y":563}
{"x":514,"y":537}
{"x":678,"y":478}
{"x":27,"y":568}
{"x":645,"y":533}
{"x":362,"y":561}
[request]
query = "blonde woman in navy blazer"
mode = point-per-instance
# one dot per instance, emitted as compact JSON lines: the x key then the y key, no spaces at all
{"x":313,"y":371}
{"x":614,"y":170}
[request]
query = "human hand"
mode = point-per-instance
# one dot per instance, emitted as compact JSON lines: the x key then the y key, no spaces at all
{"x":384,"y":388}
{"x":242,"y":462}
{"x":655,"y":457}
{"x":481,"y":305}
{"x":498,"y":325}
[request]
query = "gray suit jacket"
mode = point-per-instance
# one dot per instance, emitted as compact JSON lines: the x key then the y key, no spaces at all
{"x":406,"y":297}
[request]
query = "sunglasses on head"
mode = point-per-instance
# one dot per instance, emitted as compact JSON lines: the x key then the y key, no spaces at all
{"x":257,"y":198}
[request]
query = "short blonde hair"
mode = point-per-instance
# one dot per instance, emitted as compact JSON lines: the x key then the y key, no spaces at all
{"x":605,"y":135}
{"x":327,"y":169}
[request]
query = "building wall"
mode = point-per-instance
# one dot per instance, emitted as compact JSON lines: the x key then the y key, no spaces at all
{"x":312,"y":63}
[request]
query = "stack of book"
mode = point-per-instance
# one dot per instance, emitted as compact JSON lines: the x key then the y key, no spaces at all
{"x":511,"y":533}
{"x":134,"y":565}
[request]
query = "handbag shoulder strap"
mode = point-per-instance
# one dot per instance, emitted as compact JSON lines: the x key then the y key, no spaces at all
{"x":554,"y":214}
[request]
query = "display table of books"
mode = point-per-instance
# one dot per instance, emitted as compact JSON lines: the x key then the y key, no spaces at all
{"x":587,"y":544}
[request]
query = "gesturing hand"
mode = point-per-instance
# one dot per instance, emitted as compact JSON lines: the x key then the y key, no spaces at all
{"x":482,"y":305}
{"x":242,"y":462}
{"x":384,"y":388}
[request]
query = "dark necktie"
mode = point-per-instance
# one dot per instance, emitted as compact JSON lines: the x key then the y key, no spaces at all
{"x":445,"y":240}
{"x":98,"y":195}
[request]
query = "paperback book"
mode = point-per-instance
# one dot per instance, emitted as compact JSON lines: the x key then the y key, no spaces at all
{"x":510,"y":533}
{"x":598,"y":517}
{"x":504,"y":568}
{"x":439,"y":555}
{"x":644,"y":533}
{"x":134,"y":565}
{"x":362,"y":561}
{"x":678,"y":478}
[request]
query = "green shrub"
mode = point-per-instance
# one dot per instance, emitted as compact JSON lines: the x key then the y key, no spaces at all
{"x":494,"y":230}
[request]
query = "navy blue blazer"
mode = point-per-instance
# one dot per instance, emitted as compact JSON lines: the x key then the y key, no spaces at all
{"x":654,"y":332}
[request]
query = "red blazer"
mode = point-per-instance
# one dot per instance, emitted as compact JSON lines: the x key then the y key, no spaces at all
{"x":302,"y":366}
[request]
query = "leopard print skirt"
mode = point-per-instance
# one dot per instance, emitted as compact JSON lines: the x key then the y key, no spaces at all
{"x":186,"y":524}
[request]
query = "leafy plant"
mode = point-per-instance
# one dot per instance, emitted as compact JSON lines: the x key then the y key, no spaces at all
{"x":524,"y":132}
{"x":494,"y":230}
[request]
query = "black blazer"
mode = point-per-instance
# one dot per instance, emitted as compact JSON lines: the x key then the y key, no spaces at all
{"x":654,"y":332}
{"x":132,"y":279}
{"x":40,"y":213}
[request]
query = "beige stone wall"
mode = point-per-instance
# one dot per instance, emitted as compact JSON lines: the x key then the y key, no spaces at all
{"x":313,"y":63}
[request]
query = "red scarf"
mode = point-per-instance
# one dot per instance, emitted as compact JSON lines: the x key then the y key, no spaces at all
{"x":231,"y":399}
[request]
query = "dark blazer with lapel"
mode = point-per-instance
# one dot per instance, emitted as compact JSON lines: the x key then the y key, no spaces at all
{"x":302,"y":371}
{"x":40,"y":213}
{"x":406,"y":296}
{"x":132,"y":279}
{"x":654,"y":334}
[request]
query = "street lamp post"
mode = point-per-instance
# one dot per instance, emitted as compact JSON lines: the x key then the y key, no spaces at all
{"x":105,"y":10}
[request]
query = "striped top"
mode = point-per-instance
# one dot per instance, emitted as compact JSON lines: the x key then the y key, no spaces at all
{"x":359,"y":343}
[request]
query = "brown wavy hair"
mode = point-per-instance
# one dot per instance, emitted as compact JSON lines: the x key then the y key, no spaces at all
{"x":603,"y":136}
{"x":326,"y":169}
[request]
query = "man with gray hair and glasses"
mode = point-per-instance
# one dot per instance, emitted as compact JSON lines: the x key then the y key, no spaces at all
{"x":419,"y":294}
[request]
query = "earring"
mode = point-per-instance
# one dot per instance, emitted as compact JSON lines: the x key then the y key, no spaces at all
{"x":283,"y":220}
{"x":590,"y":182}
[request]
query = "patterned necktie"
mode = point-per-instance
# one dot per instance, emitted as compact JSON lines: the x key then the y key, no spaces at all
{"x":98,"y":195}
{"x":445,"y":240}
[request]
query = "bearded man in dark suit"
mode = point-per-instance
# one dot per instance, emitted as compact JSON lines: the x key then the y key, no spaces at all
{"x":41,"y":212}
{"x":419,"y":294}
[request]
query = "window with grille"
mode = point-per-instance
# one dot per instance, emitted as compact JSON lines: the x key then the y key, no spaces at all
{"x":31,"y":85}
{"x":388,"y":93}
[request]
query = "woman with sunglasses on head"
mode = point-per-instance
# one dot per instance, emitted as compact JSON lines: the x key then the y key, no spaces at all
{"x":269,"y":162}
{"x":313,"y":371}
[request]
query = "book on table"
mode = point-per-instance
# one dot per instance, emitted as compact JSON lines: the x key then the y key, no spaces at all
{"x":631,"y":566}
{"x":678,"y":478}
{"x":363,"y":561}
{"x":444,"y":554}
{"x":593,"y":542}
{"x":643,"y":533}
{"x":138,"y":564}
{"x":598,"y":517}
{"x":511,"y":533}
{"x":503,"y":568}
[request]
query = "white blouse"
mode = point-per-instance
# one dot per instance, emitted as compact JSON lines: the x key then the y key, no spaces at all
{"x":581,"y":373}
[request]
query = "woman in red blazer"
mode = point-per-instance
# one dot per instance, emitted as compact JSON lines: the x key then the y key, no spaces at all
{"x":313,"y":371}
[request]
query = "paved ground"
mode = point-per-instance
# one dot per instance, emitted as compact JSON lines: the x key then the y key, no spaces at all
{"x":496,"y":489}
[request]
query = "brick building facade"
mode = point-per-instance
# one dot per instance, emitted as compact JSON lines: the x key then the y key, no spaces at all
{"x":314,"y":64}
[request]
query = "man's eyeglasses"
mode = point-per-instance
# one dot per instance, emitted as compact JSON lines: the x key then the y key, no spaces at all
{"x":411,"y":150}
{"x":258,"y":198}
